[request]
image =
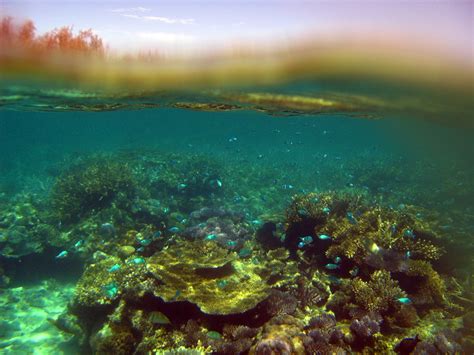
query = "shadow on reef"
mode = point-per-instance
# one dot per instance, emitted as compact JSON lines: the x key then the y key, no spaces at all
{"x":33,"y":267}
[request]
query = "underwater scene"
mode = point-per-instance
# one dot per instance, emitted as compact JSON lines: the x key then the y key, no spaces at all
{"x":315,"y":197}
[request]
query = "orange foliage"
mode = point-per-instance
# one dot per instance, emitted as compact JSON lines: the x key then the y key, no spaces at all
{"x":14,"y":37}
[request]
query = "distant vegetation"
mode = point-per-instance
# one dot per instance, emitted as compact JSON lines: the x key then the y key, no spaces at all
{"x":22,"y":37}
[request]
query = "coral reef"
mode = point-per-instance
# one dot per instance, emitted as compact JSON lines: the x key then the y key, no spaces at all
{"x":378,"y":294}
{"x":209,"y":276}
{"x":178,"y":260}
{"x":90,"y":186}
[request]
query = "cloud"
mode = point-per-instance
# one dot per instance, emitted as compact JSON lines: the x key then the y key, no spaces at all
{"x":166,"y":37}
{"x":131,"y":9}
{"x":180,"y":21}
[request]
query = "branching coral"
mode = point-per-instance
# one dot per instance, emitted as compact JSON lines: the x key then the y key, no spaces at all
{"x":378,"y":294}
{"x":429,"y":288}
{"x":90,"y":186}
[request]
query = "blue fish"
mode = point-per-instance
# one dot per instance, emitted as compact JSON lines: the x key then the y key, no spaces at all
{"x":111,"y":290}
{"x":334,"y":280}
{"x":145,"y":242}
{"x":301,"y":245}
{"x":409,"y":233}
{"x":303,"y":212}
{"x":107,"y":229}
{"x":326,"y":210}
{"x":337,"y":259}
{"x":138,"y":261}
{"x":157,"y":234}
{"x":324,"y":237}
{"x":351,"y":218}
{"x":222,"y":283}
{"x":231,"y":243}
{"x":245,"y":252}
{"x":62,"y":255}
{"x":354,"y":272}
{"x":257,"y":222}
{"x":173,"y":229}
{"x":114,"y":268}
{"x":404,"y":300}
{"x":307,"y":240}
{"x":210,"y":237}
{"x":78,"y":244}
{"x":331,"y":266}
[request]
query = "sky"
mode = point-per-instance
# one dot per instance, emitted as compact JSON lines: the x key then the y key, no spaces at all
{"x":175,"y":26}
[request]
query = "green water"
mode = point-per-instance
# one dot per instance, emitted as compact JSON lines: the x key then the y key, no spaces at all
{"x":244,"y":161}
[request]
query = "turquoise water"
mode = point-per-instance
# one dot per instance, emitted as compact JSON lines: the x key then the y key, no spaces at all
{"x":257,"y":163}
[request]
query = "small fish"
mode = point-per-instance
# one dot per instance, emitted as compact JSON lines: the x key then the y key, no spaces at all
{"x":324,"y":237}
{"x":165,"y":210}
{"x":173,"y":229}
{"x":354,"y":272}
{"x":374,"y":248}
{"x":222,"y":283}
{"x":114,"y":268}
{"x":232,"y":139}
{"x":210,"y":237}
{"x":62,"y":255}
{"x":157,"y":234}
{"x":182,"y":186}
{"x":287,"y":186}
{"x":214,"y":335}
{"x":407,"y":345}
{"x":78,"y":244}
{"x":107,"y":229}
{"x":158,"y":318}
{"x":331,"y":266}
{"x":257,"y":222}
{"x":176,"y":295}
{"x":350,"y":217}
{"x":137,"y":261}
{"x":303,"y":212}
{"x":408,"y":254}
{"x":307,"y":240}
{"x":326,"y":210}
{"x":334,"y":279}
{"x":110,"y":290}
{"x":245,"y":252}
{"x":337,"y":259}
{"x":145,"y":242}
{"x":404,"y":300}
{"x":301,"y":245}
{"x":231,"y":243}
{"x":409,"y":233}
